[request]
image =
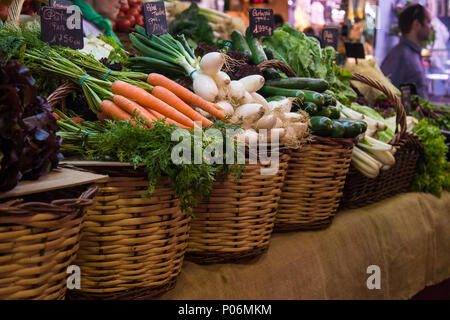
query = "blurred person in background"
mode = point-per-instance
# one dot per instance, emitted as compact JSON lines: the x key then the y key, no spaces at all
{"x":403,"y":64}
{"x":278,"y":20}
{"x":97,"y":16}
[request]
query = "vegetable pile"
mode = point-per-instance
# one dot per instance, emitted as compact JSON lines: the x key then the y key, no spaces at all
{"x":305,"y":56}
{"x":29,"y":146}
{"x":130,"y":15}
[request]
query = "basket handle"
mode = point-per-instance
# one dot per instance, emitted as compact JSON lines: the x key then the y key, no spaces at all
{"x":61,"y":93}
{"x":398,"y":106}
{"x":14,"y":9}
{"x":277,"y":65}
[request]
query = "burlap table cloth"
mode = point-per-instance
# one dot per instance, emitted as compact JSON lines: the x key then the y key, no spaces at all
{"x":407,"y":236}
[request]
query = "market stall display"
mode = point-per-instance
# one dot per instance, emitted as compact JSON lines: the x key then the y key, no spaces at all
{"x":158,"y":122}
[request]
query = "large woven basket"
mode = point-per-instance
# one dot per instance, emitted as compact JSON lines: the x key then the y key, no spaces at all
{"x":359,"y":190}
{"x":132,"y":246}
{"x":313,"y":185}
{"x":237,"y":221}
{"x":38,"y":242}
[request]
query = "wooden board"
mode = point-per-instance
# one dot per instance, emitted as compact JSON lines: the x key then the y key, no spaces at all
{"x":82,"y":163}
{"x":58,"y":179}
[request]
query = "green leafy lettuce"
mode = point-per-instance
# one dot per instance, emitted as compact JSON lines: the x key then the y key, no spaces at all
{"x":193,"y":25}
{"x":433,"y":173}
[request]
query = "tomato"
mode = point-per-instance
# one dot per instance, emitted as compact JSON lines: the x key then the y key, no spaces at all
{"x":132,"y":20}
{"x":132,"y":12}
{"x":138,"y":7}
{"x":123,"y":25}
{"x":121,"y":14}
{"x":140,"y":21}
{"x":125,"y":8}
{"x":132,"y":2}
{"x":3,"y":13}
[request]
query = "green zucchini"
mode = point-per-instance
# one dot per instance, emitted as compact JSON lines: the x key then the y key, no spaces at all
{"x":269,"y":91}
{"x":269,"y":53}
{"x":256,"y":49}
{"x":321,"y":126}
{"x":275,"y":98}
{"x":335,"y":112}
{"x":311,"y":108}
{"x":318,"y":85}
{"x":258,"y":55}
{"x":325,"y":112}
{"x":315,"y":97}
{"x":352,"y":128}
{"x":240,"y":44}
{"x":330,"y":100}
{"x":338,"y":130}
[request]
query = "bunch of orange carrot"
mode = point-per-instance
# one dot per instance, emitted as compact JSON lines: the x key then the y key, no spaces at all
{"x":167,"y":100}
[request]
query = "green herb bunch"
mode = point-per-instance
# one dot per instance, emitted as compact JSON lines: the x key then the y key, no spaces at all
{"x":149,"y":147}
{"x":433,"y":174}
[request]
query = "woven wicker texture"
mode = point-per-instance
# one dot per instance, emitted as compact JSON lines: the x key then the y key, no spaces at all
{"x":313,"y":185}
{"x":237,"y":221}
{"x":132,"y":247}
{"x":14,"y":9}
{"x":359,"y":190}
{"x":38,"y":241}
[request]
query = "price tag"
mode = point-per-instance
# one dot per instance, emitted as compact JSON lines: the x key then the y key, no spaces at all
{"x":261,"y":22}
{"x":330,"y":38}
{"x":155,"y":17}
{"x":63,"y":27}
{"x":355,"y":50}
{"x":406,"y":97}
{"x":62,"y":4}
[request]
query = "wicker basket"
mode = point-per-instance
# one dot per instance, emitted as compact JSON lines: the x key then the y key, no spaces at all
{"x":313,"y":185}
{"x":132,"y":247}
{"x":38,"y":242}
{"x":359,"y":190}
{"x":237,"y":221}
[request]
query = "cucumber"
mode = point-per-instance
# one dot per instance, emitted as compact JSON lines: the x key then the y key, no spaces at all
{"x":315,"y":97}
{"x":275,"y":98}
{"x":240,"y":44}
{"x":335,"y":112}
{"x":269,"y":53}
{"x":321,"y":126}
{"x":269,"y":91}
{"x":325,"y":112}
{"x":271,"y":74}
{"x":330,"y":100}
{"x":258,"y":55}
{"x":318,"y":85}
{"x":311,"y":108}
{"x":338,"y":130}
{"x":352,"y":128}
{"x":360,"y":123}
{"x":256,"y":49}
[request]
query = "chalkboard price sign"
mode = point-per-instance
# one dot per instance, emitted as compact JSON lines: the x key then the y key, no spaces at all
{"x":330,"y":37}
{"x":261,"y":22}
{"x":62,"y":27}
{"x":155,"y":17}
{"x":62,"y":4}
{"x":355,"y":50}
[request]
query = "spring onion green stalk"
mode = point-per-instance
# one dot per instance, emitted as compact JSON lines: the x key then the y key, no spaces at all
{"x":50,"y":61}
{"x":165,"y":53}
